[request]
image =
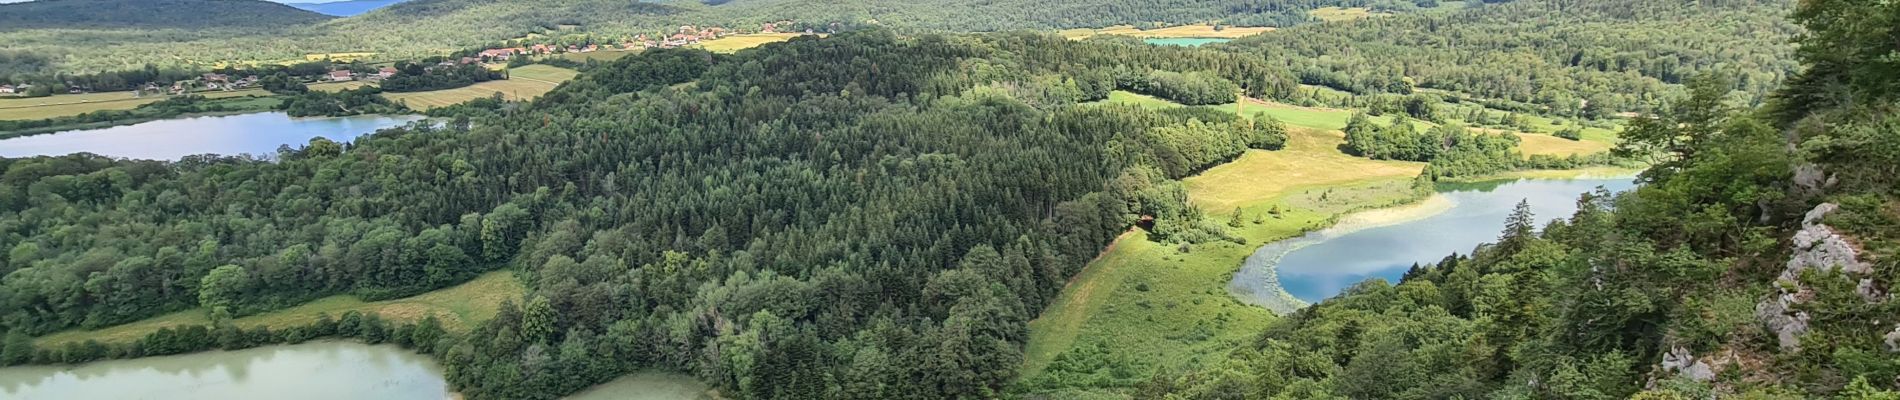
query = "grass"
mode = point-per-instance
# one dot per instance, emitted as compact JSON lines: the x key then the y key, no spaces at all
{"x":337,"y":86}
{"x":734,"y":43}
{"x":523,"y":83}
{"x":1337,"y":14}
{"x":22,"y":108}
{"x":1182,"y":31}
{"x":1156,"y":307}
{"x":459,"y":308}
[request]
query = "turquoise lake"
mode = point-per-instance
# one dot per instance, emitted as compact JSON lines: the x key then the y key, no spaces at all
{"x":172,"y":139}
{"x":1321,"y":264}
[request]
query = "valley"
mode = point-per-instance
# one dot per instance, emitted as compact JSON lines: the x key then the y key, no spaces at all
{"x":1001,"y":199}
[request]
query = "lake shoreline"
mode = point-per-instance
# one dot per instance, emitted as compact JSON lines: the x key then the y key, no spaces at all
{"x":1257,"y":280}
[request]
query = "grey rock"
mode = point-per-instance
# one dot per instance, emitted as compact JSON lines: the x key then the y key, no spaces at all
{"x":1680,"y":360}
{"x":1893,"y":339}
{"x":1787,"y":326}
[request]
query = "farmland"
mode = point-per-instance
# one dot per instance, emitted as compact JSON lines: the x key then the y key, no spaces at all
{"x":523,"y":83}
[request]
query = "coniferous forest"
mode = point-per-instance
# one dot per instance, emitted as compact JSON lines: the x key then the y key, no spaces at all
{"x":881,"y":212}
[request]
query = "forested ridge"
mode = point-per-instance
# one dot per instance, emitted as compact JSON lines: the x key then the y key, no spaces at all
{"x":157,"y":14}
{"x":1754,"y":261}
{"x":1573,"y":58}
{"x":862,"y":216}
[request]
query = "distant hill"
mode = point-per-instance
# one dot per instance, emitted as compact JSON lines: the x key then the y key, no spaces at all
{"x":180,"y":14}
{"x":345,"y":8}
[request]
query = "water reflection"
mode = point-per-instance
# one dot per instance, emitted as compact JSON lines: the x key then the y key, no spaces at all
{"x":259,"y":133}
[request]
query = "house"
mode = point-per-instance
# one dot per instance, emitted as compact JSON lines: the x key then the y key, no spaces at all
{"x":386,"y":72}
{"x":8,"y":89}
{"x":214,"y":77}
{"x":248,"y":81}
{"x":471,"y":60}
{"x":541,"y":49}
{"x":499,"y":54}
{"x":573,"y":49}
{"x":590,"y":48}
{"x":341,"y":76}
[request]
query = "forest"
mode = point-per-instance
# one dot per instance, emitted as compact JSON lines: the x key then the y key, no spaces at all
{"x":826,"y":228}
{"x":879,"y":213}
{"x":1696,"y":284}
{"x":1591,"y":59}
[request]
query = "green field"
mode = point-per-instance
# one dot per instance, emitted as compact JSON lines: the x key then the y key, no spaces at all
{"x":523,"y":83}
{"x":735,"y":43}
{"x":21,"y":108}
{"x":1150,"y":306}
{"x":459,"y":308}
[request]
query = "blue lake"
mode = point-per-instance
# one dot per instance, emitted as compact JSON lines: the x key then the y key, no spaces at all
{"x":172,"y":139}
{"x":1320,"y":264}
{"x":1189,"y":42}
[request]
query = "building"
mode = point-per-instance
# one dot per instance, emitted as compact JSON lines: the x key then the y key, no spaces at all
{"x":499,"y":54}
{"x":8,"y":89}
{"x":341,"y":76}
{"x":386,"y":72}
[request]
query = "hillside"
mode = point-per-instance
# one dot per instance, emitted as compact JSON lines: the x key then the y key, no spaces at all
{"x":345,"y":8}
{"x":151,"y":14}
{"x":1756,"y":261}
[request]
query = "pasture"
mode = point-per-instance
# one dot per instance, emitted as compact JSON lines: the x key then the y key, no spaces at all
{"x":1144,"y":306}
{"x":459,"y":308}
{"x":523,"y":83}
{"x":23,"y":108}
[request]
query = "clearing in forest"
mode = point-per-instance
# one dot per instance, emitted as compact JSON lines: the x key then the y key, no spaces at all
{"x":459,"y":307}
{"x":523,"y":83}
{"x":1143,"y":306}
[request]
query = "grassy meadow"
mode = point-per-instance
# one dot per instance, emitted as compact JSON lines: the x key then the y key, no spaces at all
{"x":24,"y":108}
{"x":459,"y":308}
{"x":1147,"y":305}
{"x":523,"y":83}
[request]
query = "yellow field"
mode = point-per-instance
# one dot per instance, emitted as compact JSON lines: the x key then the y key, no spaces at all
{"x":1183,"y":31}
{"x":337,"y":86}
{"x":523,"y":83}
{"x":1535,"y":143}
{"x":459,"y":308}
{"x":339,"y":57}
{"x":1336,"y":14}
{"x":16,"y":108}
{"x":735,"y":43}
{"x":1312,"y":157}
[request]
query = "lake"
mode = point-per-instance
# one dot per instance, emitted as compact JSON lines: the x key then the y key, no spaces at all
{"x":309,"y":371}
{"x":313,"y":371}
{"x":1189,"y":42}
{"x":172,"y":139}
{"x":1385,"y":243}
